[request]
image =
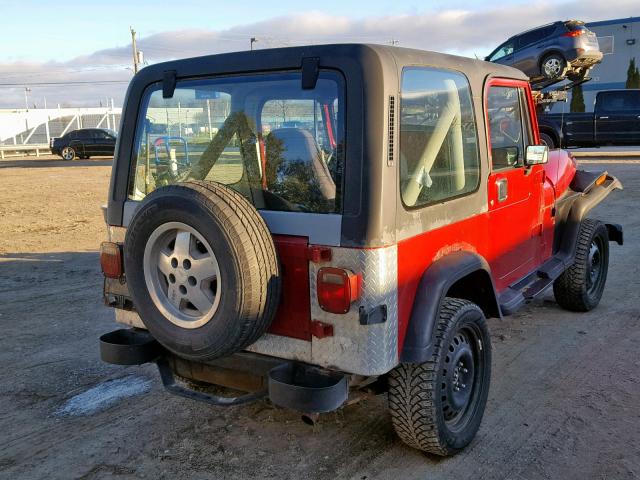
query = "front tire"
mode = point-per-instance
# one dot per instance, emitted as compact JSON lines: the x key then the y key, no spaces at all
{"x":68,"y":153}
{"x":548,"y":140}
{"x":437,"y":406}
{"x":580,"y":287}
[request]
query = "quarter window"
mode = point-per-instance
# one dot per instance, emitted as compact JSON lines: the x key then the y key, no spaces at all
{"x":507,"y":132}
{"x":439,"y":156}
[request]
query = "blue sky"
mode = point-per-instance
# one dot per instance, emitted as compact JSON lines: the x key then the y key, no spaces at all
{"x":88,"y":41}
{"x":61,"y":30}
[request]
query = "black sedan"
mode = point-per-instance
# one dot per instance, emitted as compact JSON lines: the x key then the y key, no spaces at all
{"x":84,"y":143}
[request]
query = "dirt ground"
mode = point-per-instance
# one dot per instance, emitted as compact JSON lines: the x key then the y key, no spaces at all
{"x":564,"y":400}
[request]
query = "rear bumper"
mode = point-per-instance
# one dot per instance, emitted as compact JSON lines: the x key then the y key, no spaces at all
{"x":580,"y":57}
{"x":293,"y":385}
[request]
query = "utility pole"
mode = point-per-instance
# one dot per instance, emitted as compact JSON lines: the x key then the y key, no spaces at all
{"x":26,"y":97}
{"x":135,"y":50}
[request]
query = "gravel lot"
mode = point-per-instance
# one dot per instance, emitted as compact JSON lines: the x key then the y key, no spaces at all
{"x":563,"y":402}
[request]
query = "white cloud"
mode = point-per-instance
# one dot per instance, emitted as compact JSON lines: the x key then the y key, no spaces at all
{"x":455,"y":31}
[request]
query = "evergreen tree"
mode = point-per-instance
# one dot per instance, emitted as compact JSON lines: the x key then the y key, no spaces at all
{"x":633,"y":75}
{"x":577,"y":100}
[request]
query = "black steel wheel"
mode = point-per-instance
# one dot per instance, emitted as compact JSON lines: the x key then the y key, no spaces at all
{"x":581,"y":286}
{"x":437,"y":406}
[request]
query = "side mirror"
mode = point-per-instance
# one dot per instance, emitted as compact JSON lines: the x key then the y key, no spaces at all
{"x":536,"y":155}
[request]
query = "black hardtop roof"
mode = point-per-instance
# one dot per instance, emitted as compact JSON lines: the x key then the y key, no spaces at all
{"x":278,"y":58}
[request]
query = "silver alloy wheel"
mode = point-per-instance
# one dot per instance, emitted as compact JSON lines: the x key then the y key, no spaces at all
{"x":68,"y":153}
{"x":182,"y":275}
{"x":552,"y":67}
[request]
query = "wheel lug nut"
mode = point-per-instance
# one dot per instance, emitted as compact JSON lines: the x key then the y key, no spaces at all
{"x":464,"y":370}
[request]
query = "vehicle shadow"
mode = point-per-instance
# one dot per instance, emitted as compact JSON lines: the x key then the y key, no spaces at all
{"x":53,"y":163}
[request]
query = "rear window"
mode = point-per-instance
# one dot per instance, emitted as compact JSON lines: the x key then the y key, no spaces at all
{"x":619,"y":101}
{"x":262,"y":135}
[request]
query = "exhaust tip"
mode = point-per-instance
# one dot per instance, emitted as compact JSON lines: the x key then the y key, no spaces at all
{"x":310,"y":418}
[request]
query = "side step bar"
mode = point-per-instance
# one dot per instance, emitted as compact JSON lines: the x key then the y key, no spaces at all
{"x":291,"y":385}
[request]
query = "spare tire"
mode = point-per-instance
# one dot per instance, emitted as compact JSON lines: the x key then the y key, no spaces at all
{"x":202,"y":269}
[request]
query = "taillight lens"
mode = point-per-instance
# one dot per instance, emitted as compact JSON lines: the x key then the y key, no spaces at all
{"x":111,"y":259}
{"x":573,"y":33}
{"x":337,"y":289}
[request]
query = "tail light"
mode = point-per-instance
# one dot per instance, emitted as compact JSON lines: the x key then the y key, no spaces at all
{"x":573,"y":33}
{"x":337,"y":289}
{"x":111,"y":259}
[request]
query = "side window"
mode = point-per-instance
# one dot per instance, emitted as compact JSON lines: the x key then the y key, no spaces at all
{"x":529,"y":38}
{"x":502,"y":51}
{"x":619,"y":101}
{"x":72,"y":135}
{"x":507,"y":133}
{"x":439,"y":156}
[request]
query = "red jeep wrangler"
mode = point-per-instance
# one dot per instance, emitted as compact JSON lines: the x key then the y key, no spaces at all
{"x":309,"y":223}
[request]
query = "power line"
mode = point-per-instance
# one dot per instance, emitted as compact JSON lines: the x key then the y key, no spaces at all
{"x":45,"y":84}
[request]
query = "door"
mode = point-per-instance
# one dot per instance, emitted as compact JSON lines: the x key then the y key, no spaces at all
{"x":515,"y":191}
{"x":526,"y":55}
{"x":77,"y":142}
{"x":87,"y":137}
{"x":103,"y":144}
{"x":617,"y":117}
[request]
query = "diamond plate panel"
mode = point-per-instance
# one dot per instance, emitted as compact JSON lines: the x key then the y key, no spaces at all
{"x":355,"y":348}
{"x":282,"y":347}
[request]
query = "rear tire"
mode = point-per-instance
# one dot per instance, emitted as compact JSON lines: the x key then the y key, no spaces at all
{"x":580,"y":287}
{"x":437,"y":406}
{"x":68,"y":153}
{"x":553,"y":66}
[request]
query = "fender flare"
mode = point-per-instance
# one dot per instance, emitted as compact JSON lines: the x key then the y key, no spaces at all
{"x":588,"y":194}
{"x":435,"y":283}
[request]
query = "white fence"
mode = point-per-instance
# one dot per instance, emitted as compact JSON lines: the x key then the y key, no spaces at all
{"x":37,"y":126}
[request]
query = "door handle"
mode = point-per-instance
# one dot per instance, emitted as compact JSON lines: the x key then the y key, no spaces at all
{"x":603,"y":118}
{"x":502,"y":189}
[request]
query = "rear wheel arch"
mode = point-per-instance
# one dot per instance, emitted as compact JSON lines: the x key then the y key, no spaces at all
{"x":478,"y":288}
{"x":461,"y":274}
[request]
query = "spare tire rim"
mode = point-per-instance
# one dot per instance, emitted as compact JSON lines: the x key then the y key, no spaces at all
{"x":182,"y":275}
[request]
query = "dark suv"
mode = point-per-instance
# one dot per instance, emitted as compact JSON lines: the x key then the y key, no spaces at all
{"x":84,"y":143}
{"x":551,"y":51}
